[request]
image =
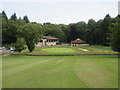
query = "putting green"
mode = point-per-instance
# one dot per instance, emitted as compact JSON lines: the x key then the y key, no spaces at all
{"x":58,"y":49}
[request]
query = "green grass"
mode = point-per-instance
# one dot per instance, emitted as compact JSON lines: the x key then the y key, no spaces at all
{"x":60,"y":49}
{"x":60,"y":72}
{"x":71,"y":50}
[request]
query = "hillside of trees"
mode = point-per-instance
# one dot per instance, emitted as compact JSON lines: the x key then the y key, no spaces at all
{"x":95,"y":33}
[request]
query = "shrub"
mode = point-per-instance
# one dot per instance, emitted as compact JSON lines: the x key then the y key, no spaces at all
{"x":19,"y":45}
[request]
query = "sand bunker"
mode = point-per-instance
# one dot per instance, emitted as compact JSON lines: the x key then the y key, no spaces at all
{"x":83,"y":49}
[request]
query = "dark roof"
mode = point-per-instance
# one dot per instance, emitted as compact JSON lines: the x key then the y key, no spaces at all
{"x":49,"y":37}
{"x":78,"y":41}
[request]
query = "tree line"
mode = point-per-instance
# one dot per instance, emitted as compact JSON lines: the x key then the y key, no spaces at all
{"x":20,"y":31}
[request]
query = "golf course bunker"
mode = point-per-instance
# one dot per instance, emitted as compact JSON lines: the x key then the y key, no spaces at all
{"x":58,"y":49}
{"x":83,"y":49}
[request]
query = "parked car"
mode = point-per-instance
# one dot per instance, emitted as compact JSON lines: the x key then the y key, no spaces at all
{"x":0,"y":49}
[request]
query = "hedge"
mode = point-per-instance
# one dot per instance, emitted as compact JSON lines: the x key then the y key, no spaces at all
{"x":59,"y":54}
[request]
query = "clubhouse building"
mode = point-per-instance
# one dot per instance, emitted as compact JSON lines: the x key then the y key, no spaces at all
{"x":79,"y":42}
{"x":48,"y":41}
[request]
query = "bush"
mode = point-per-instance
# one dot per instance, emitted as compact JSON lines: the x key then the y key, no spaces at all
{"x":19,"y":45}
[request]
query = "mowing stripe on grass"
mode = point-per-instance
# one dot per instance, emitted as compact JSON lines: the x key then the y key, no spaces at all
{"x":27,"y":60}
{"x":62,"y":72}
{"x":22,"y":67}
{"x":96,"y":75}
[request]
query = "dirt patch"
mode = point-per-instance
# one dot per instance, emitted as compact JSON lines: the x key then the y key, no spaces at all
{"x":83,"y":49}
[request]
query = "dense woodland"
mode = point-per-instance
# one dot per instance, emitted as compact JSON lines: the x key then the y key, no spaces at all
{"x":21,"y":30}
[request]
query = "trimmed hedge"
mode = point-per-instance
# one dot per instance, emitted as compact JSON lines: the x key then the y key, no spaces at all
{"x":60,"y":54}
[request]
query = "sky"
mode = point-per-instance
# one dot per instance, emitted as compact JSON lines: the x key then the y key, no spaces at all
{"x":60,"y":11}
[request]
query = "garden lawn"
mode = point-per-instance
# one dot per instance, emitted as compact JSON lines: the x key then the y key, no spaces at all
{"x":60,"y":72}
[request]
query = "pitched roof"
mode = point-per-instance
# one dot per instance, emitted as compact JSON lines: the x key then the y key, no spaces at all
{"x":77,"y":41}
{"x":49,"y":37}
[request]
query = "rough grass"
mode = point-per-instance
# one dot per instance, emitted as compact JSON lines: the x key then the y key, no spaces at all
{"x":71,"y":50}
{"x":60,"y":72}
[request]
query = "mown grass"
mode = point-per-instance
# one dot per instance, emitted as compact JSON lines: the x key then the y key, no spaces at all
{"x":71,"y":50}
{"x":60,"y":72}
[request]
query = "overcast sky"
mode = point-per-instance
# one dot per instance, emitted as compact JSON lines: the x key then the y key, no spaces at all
{"x":61,"y":11}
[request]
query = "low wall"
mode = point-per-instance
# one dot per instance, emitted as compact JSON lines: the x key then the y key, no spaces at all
{"x":60,"y":54}
{"x":80,"y":44}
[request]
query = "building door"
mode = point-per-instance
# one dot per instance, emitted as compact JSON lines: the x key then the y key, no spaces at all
{"x":44,"y":43}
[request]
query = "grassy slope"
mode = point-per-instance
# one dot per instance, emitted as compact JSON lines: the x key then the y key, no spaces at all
{"x":60,"y":72}
{"x":71,"y":50}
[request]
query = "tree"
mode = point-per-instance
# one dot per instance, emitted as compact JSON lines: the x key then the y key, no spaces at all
{"x":13,"y":17}
{"x":105,"y":29}
{"x":10,"y":34}
{"x":53,"y":30}
{"x":63,"y":35}
{"x":116,"y":41}
{"x":73,"y":32}
{"x":98,"y":32}
{"x":9,"y":28}
{"x":4,"y":27}
{"x":19,"y":45}
{"x":81,"y":30}
{"x":4,"y":15}
{"x":31,"y":44}
{"x":90,"y":32}
{"x":115,"y":38}
{"x":31,"y":34}
{"x":20,"y":22}
{"x":26,"y":19}
{"x":65,"y":29}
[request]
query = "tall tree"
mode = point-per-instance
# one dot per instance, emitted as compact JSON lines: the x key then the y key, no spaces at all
{"x":65,"y":29}
{"x":26,"y":19}
{"x":105,"y":29}
{"x":115,"y":35}
{"x":4,"y":27}
{"x":13,"y":17}
{"x":53,"y":30}
{"x":116,"y":40}
{"x":12,"y":32}
{"x":91,"y":27}
{"x":31,"y":33}
{"x":4,"y":15}
{"x":73,"y":32}
{"x":81,"y":29}
{"x":98,"y":32}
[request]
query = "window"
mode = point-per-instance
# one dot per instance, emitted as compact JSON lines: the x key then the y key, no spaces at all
{"x":47,"y":40}
{"x":40,"y":40}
